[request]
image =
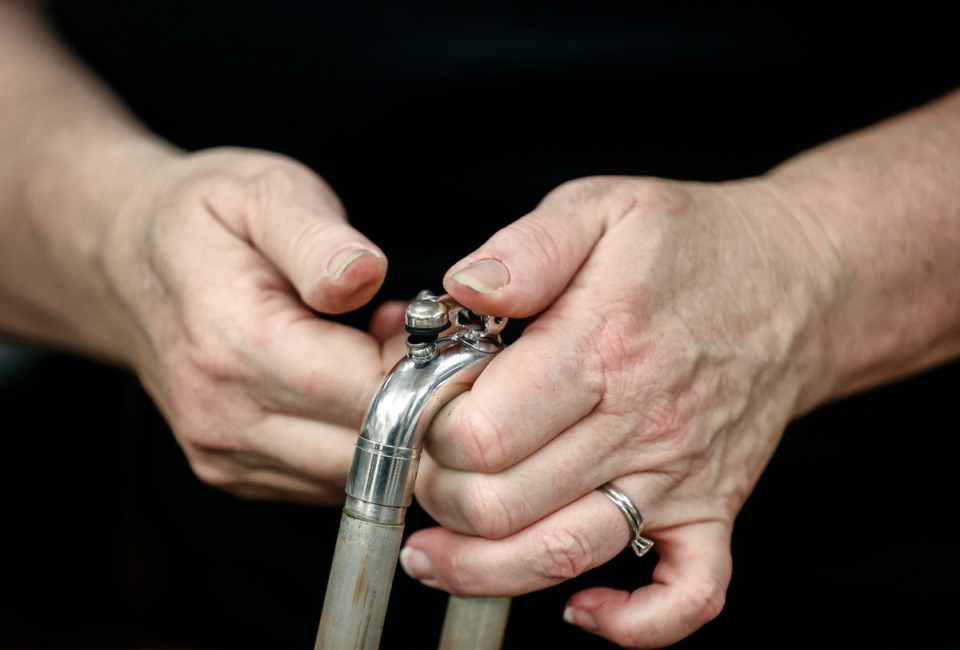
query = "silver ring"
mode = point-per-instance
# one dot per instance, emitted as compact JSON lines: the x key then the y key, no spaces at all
{"x":639,"y":543}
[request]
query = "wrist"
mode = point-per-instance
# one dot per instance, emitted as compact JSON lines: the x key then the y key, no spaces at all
{"x":885,"y":199}
{"x":77,"y":192}
{"x":813,"y":283}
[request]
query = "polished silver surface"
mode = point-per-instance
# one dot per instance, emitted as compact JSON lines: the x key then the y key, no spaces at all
{"x":388,"y":449}
{"x":638,"y":543}
{"x":381,"y":479}
{"x":427,"y":313}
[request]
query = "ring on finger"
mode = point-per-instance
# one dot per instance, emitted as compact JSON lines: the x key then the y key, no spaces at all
{"x":639,"y":543}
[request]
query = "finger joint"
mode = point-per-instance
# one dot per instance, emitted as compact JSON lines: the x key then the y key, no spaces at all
{"x":563,"y":554}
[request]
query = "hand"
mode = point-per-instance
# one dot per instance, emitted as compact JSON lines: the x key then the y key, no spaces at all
{"x":220,"y":261}
{"x":675,"y":337}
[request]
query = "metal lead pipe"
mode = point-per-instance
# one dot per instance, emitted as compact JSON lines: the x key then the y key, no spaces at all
{"x":359,"y":585}
{"x":474,"y":623}
{"x":380,"y":483}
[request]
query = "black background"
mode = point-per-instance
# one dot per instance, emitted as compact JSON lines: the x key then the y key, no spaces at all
{"x":439,"y":122}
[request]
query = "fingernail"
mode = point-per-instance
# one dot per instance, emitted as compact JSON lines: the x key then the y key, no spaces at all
{"x":580,"y":618}
{"x":416,"y":564}
{"x":485,"y":276}
{"x":340,"y":262}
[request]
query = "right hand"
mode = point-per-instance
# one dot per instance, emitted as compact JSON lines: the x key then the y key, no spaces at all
{"x":679,"y":328}
{"x":220,"y":261}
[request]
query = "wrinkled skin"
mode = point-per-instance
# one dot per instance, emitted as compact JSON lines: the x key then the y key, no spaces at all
{"x":680,"y":327}
{"x":219,"y":260}
{"x":676,"y":336}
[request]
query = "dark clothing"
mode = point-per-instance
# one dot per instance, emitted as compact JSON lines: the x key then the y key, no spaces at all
{"x":440,"y":122}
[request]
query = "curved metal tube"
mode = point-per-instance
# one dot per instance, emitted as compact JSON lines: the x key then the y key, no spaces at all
{"x":381,"y":479}
{"x":380,"y":485}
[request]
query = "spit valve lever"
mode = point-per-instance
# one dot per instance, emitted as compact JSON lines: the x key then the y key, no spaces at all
{"x":430,"y":315}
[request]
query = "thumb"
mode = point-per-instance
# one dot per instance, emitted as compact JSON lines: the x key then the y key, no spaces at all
{"x":689,"y":588}
{"x":525,"y":266}
{"x":295,"y":220}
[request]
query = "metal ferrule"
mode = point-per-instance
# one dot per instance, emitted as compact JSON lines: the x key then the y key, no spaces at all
{"x":380,"y":484}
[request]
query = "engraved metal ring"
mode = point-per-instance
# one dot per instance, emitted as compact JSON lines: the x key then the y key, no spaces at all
{"x":639,"y":543}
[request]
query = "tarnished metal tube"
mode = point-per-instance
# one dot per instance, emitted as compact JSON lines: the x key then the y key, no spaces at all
{"x":381,"y":479}
{"x":359,"y":585}
{"x":474,"y":623}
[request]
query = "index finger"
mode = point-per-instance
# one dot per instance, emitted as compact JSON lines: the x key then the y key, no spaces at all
{"x":527,"y":395}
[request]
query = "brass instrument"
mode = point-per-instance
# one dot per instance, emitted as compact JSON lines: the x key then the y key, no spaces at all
{"x":447,"y":348}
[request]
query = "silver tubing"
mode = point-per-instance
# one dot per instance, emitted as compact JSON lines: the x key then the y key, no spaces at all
{"x":388,"y":449}
{"x":474,"y":623}
{"x":381,"y":479}
{"x":356,"y":600}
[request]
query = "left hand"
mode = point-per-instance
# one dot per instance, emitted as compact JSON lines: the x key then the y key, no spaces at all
{"x":678,"y":332}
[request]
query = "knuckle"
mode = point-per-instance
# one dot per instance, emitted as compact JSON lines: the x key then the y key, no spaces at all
{"x":625,"y":633}
{"x":279,"y":182}
{"x":212,"y":474}
{"x":605,"y":195}
{"x":618,"y":197}
{"x":189,"y":431}
{"x":485,"y":444}
{"x":665,"y":419}
{"x":585,"y":189}
{"x":213,"y":364}
{"x":201,"y":434}
{"x":616,"y":346}
{"x":535,"y":236}
{"x":702,"y":602}
{"x":214,"y":350}
{"x":563,"y":554}
{"x":203,"y":187}
{"x":664,"y":414}
{"x":486,"y":511}
{"x":272,"y":186}
{"x":195,"y":400}
{"x":459,"y":578}
{"x":655,"y":194}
